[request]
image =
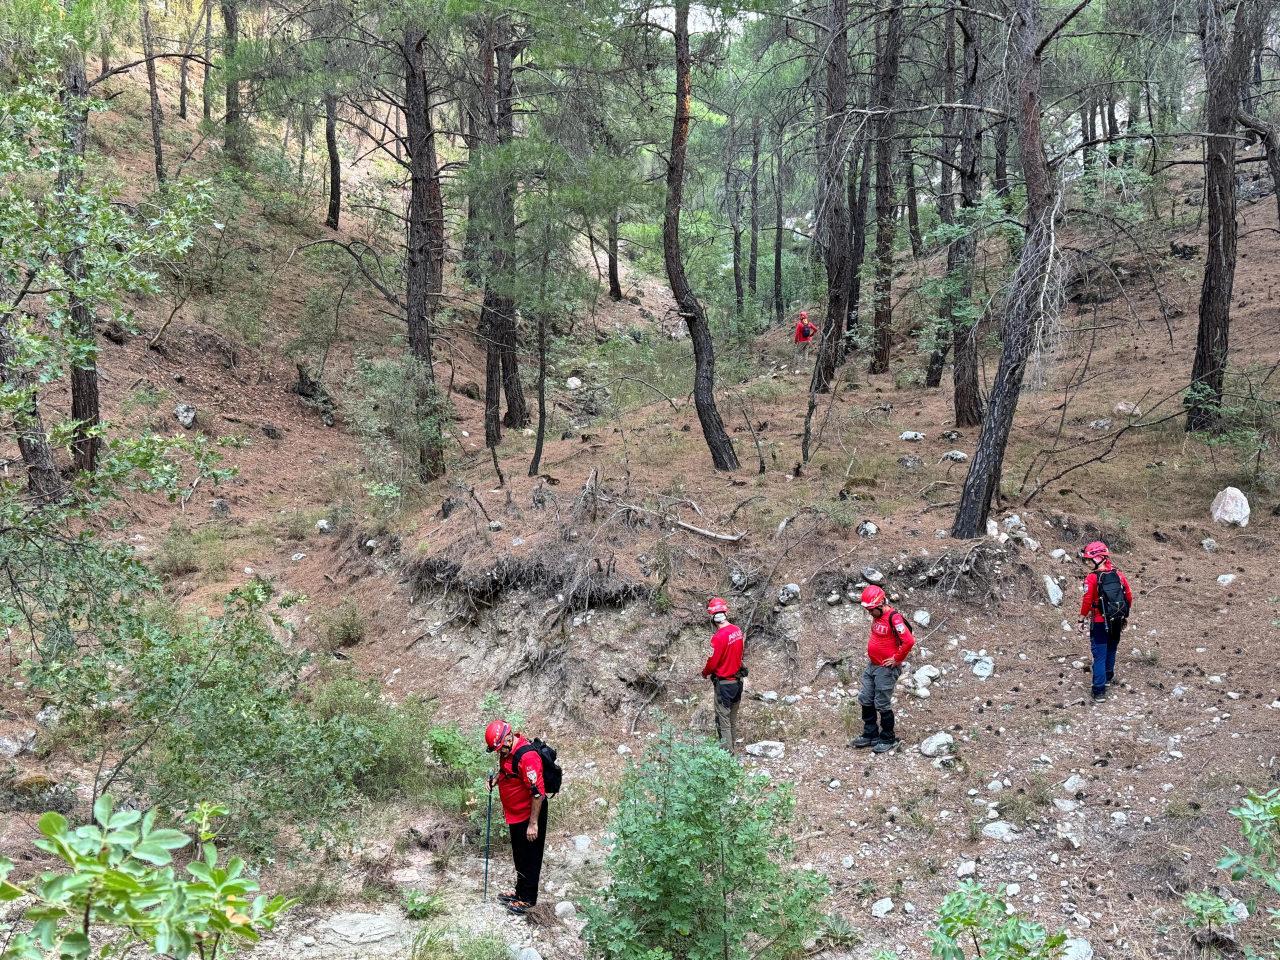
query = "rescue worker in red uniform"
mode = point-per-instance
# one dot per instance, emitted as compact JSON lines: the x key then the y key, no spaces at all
{"x":524,"y":807}
{"x":890,"y":643}
{"x":725,"y":671}
{"x":804,"y":335}
{"x":1105,"y":607}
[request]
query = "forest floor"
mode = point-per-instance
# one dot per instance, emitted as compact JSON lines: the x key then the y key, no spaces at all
{"x":1096,"y":817}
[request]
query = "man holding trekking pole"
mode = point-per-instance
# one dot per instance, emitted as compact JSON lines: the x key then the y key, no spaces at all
{"x":521,"y":787}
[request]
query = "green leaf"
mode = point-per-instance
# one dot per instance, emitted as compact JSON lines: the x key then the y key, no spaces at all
{"x":53,"y":824}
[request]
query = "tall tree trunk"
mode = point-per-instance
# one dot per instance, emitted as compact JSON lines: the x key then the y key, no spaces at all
{"x":963,"y":328}
{"x":1113,"y":130}
{"x":753,"y":252}
{"x":733,"y":202}
{"x":615,"y":282}
{"x":913,"y":205}
{"x":886,"y":85}
{"x":335,"y":162}
{"x":704,"y":396}
{"x":946,"y":202}
{"x":85,"y":444}
{"x":859,"y":197}
{"x":1225,"y":51}
{"x":1087,"y":132}
{"x":835,"y":209}
{"x":184,"y":78}
{"x":1000,"y":177}
{"x":536,"y":462}
{"x":206,"y":81}
{"x":234,"y":133}
{"x":157,"y":116}
{"x":505,"y":239}
{"x":779,"y":181}
{"x":302,"y":149}
{"x":44,"y":483}
{"x":424,"y":259}
{"x":1025,"y":305}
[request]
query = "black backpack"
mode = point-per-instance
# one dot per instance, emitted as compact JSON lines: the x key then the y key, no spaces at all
{"x":1111,"y":599}
{"x":552,"y":775}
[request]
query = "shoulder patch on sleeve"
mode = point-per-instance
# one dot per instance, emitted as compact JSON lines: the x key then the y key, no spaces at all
{"x":899,"y":624}
{"x":532,"y":775}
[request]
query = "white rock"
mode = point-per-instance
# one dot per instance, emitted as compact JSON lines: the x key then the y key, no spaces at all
{"x":1065,"y":806}
{"x":789,"y":594}
{"x":882,"y":908}
{"x":582,"y":843}
{"x":1226,"y":580}
{"x":926,"y":675}
{"x":1012,"y":522}
{"x":847,"y":861}
{"x":1209,"y":544}
{"x":623,"y":750}
{"x":1074,"y":784}
{"x":1053,"y":591}
{"x":185,"y":414}
{"x":1013,"y":889}
{"x":1031,"y":543}
{"x":298,"y":557}
{"x":48,"y":715}
{"x":995,"y":786}
{"x":1068,"y":835}
{"x":911,"y":436}
{"x":791,"y":699}
{"x":867,"y":529}
{"x":920,"y":693}
{"x":9,"y":747}
{"x":1230,"y":506}
{"x":1120,"y":817}
{"x":573,"y":383}
{"x":769,"y":696}
{"x":983,"y":667}
{"x":1102,"y":423}
{"x":967,"y":869}
{"x":324,"y":526}
{"x":921,"y":618}
{"x":1000,"y":830}
{"x":1058,"y":554}
{"x":1077,"y":948}
{"x":993,"y":530}
{"x":565,"y":910}
{"x":360,"y":928}
{"x":872,"y":575}
{"x":1126,"y":409}
{"x":527,"y":953}
{"x":940,"y":744}
{"x":769,"y":749}
{"x":955,"y":456}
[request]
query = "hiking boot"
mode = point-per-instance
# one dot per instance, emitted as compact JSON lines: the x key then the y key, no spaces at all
{"x":1098,"y":696}
{"x":868,"y":739}
{"x":886,"y":744}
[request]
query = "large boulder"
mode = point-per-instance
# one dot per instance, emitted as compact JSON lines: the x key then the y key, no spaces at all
{"x":1231,"y":507}
{"x":938,"y":745}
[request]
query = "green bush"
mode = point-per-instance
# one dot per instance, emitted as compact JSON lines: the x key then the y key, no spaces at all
{"x":423,"y":906}
{"x":342,"y":626}
{"x":395,"y":413}
{"x":701,"y":865}
{"x":973,"y":923}
{"x":184,"y":551}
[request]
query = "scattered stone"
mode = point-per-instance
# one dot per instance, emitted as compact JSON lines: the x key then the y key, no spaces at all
{"x":769,"y":749}
{"x":955,"y":456}
{"x":911,"y":436}
{"x":516,"y":952}
{"x":565,"y":910}
{"x":872,"y":575}
{"x":1052,"y":591}
{"x":1210,"y":545}
{"x":938,"y":745}
{"x":983,"y":665}
{"x":272,"y":432}
{"x":1231,"y":507}
{"x":1068,"y":835}
{"x":1058,"y":554}
{"x":1000,"y":830}
{"x":1102,"y":424}
{"x":495,"y":525}
{"x":1077,"y":948}
{"x":867,"y":529}
{"x":48,"y":715}
{"x":847,"y":861}
{"x":360,"y":928}
{"x":833,"y":599}
{"x":921,"y":618}
{"x":185,"y":414}
{"x":623,"y":750}
{"x":220,"y":508}
{"x":1126,"y":409}
{"x":789,"y":594}
{"x":967,"y":869}
{"x":324,"y":525}
{"x":1013,"y":889}
{"x":951,"y":435}
{"x":1013,"y":522}
{"x":911,"y":463}
{"x":573,"y":383}
{"x":926,"y":675}
{"x":920,"y":693}
{"x":1065,"y":806}
{"x":995,"y":786}
{"x":882,"y":908}
{"x":298,"y":557}
{"x":769,"y":696}
{"x":1074,"y":784}
{"x":791,"y":699}
{"x":1226,"y":580}
{"x":1120,"y":817}
{"x":582,"y":843}
{"x":993,"y":530}
{"x":9,"y":747}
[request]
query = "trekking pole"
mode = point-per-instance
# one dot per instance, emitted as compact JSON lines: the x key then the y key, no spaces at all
{"x":488,"y":823}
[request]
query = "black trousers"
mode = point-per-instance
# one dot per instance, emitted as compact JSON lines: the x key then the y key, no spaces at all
{"x":528,"y":856}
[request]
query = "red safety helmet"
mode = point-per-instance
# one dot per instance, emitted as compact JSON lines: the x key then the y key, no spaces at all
{"x":717,"y":605}
{"x":804,"y":314}
{"x":495,"y":733}
{"x":1096,"y":551}
{"x":872,"y":597}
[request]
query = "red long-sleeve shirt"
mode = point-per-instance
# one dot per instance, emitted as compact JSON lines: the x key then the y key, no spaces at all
{"x":1090,"y":601}
{"x":804,"y":331}
{"x":726,"y":653}
{"x":517,"y":787}
{"x":891,"y":639}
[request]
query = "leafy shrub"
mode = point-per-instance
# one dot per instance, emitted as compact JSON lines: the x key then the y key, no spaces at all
{"x":185,"y":551}
{"x":119,"y":878}
{"x":700,"y":868}
{"x":423,"y":906}
{"x":395,"y":412}
{"x":975,"y":923}
{"x":342,"y":626}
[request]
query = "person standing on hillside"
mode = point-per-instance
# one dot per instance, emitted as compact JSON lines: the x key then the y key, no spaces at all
{"x":887,"y":649}
{"x":725,"y":671}
{"x":1105,"y":607}
{"x":805,"y":332}
{"x":519,"y":779}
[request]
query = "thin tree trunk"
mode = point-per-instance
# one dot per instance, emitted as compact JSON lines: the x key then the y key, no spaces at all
{"x":1032,"y":286}
{"x":234,"y":134}
{"x":913,"y":208}
{"x":302,"y":149}
{"x":733,"y":202}
{"x":704,"y":397}
{"x":44,"y":482}
{"x":335,"y":162}
{"x":615,"y":282}
{"x":536,"y":463}
{"x":886,"y":85}
{"x":1000,"y":178}
{"x":963,"y":328}
{"x":753,"y":252}
{"x":946,"y":202}
{"x":858,"y":200}
{"x":157,"y":116}
{"x":206,"y":82}
{"x":1087,"y":132}
{"x":835,"y":211}
{"x":779,"y":179}
{"x":1226,"y":54}
{"x":184,"y":80}
{"x":505,"y":240}
{"x":424,"y":259}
